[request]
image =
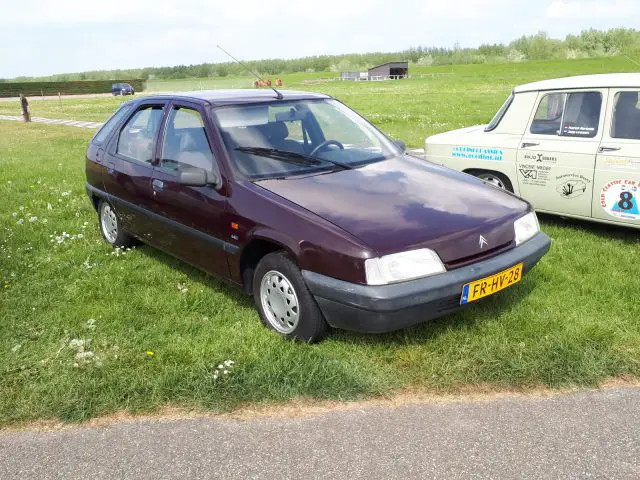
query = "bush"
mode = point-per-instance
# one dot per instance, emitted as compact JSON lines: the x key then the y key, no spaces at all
{"x":14,"y":89}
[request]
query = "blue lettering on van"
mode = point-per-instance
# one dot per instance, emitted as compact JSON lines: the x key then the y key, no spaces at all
{"x":478,"y":153}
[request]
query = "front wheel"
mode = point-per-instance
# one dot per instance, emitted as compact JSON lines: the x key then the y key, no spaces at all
{"x":284,"y":302}
{"x":496,"y":179}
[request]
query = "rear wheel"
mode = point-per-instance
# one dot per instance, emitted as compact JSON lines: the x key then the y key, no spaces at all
{"x":283,"y":300}
{"x":110,"y":227}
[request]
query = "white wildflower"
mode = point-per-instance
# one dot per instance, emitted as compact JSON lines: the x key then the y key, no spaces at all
{"x":77,"y":343}
{"x":16,"y":348}
{"x":20,"y":222}
{"x":33,"y":219}
{"x":49,"y":207}
{"x":14,"y":214}
{"x":91,"y":324}
{"x":83,"y":356}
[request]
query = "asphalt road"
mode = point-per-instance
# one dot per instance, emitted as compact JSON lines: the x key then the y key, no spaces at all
{"x":586,"y":435}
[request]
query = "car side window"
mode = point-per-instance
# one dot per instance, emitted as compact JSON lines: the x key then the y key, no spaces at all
{"x":582,"y":115}
{"x":108,"y":127}
{"x":185,"y":141}
{"x":626,"y":116}
{"x":549,"y":114}
{"x":138,"y":135}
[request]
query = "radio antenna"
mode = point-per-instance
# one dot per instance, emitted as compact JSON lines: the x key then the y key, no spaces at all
{"x":278,"y":94}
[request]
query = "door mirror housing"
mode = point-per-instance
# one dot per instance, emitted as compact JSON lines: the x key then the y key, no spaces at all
{"x":199,"y":177}
{"x":400,"y":145}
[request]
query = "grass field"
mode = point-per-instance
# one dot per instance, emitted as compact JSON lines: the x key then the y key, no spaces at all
{"x":87,"y":332}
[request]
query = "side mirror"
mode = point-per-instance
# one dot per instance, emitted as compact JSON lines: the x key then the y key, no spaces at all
{"x":401,"y":145}
{"x":199,"y":177}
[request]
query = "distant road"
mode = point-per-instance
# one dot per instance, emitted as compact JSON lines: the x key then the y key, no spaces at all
{"x":593,"y":434}
{"x":55,"y":97}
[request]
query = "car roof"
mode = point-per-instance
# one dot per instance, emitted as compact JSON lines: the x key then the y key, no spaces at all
{"x":605,"y":80}
{"x":239,"y":96}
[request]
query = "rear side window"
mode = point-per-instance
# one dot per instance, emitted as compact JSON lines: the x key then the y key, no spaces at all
{"x":626,"y":116}
{"x":112,"y":123}
{"x":495,"y":121}
{"x":137,"y":137}
{"x":568,"y":114}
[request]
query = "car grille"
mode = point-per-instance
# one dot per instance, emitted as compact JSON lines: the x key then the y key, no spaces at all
{"x":492,"y":252}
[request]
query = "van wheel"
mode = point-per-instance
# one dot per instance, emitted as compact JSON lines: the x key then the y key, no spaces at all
{"x":284,"y":302}
{"x":110,"y":228}
{"x":496,"y":179}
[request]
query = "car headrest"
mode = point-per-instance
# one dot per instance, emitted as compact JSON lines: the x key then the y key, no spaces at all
{"x":275,"y":131}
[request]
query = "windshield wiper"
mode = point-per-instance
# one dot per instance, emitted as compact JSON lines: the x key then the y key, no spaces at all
{"x":291,"y":157}
{"x":282,"y":155}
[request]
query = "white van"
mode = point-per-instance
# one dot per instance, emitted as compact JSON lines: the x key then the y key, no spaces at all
{"x":571,"y":146}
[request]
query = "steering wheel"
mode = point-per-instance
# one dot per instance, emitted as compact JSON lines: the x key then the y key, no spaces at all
{"x":324,"y":145}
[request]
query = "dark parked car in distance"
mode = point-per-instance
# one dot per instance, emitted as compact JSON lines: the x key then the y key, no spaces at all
{"x":122,"y":89}
{"x":308,"y":207}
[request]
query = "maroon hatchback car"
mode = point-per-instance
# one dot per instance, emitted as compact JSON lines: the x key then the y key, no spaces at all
{"x":306,"y":205}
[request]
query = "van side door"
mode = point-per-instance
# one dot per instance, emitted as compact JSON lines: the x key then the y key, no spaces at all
{"x":616,"y":186}
{"x":557,"y":155}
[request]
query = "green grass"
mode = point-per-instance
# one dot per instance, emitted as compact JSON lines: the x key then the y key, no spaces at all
{"x":572,"y":321}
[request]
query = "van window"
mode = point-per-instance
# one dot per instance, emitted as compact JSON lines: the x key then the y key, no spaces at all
{"x":626,"y":116}
{"x":549,"y":114}
{"x":582,"y":114}
{"x":568,"y":114}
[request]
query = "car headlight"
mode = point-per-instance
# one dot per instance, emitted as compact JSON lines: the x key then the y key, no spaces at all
{"x":526,"y":227}
{"x":399,"y":267}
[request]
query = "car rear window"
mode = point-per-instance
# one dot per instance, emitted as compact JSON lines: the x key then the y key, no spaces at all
{"x":108,"y":127}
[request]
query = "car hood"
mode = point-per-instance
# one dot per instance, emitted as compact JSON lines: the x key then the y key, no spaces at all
{"x":407,"y":203}
{"x":457,"y":132}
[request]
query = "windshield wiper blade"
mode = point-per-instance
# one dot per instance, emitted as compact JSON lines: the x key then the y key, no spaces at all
{"x":295,"y":157}
{"x":282,"y":155}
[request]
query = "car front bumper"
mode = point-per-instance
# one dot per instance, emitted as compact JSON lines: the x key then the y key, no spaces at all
{"x":384,"y":308}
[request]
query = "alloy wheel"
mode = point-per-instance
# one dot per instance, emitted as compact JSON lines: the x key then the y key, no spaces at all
{"x":279,"y":302}
{"x":109,"y":223}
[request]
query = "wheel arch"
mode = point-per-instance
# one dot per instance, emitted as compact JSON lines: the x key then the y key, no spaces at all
{"x":505,"y":178}
{"x":254,"y":251}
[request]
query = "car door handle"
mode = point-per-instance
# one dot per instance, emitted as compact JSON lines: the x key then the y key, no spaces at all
{"x":608,"y":149}
{"x":157,"y":185}
{"x":529,"y":144}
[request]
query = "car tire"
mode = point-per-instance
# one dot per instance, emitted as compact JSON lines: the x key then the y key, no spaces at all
{"x":496,"y":179}
{"x":110,"y":227}
{"x":284,"y":302}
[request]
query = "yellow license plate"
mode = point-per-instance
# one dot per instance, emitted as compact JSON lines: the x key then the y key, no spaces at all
{"x":487,"y":286}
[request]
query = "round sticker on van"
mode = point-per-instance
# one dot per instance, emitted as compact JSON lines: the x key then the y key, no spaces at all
{"x":619,"y":198}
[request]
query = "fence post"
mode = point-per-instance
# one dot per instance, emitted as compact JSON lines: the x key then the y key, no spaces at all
{"x":25,"y":108}
{"x":60,"y":99}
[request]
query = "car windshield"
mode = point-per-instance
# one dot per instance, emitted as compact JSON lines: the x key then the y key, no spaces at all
{"x":287,"y":138}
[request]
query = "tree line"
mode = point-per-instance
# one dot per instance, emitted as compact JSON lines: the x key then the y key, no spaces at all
{"x":588,"y":44}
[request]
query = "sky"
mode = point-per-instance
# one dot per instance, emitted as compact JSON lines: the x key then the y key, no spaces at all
{"x":43,"y":37}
